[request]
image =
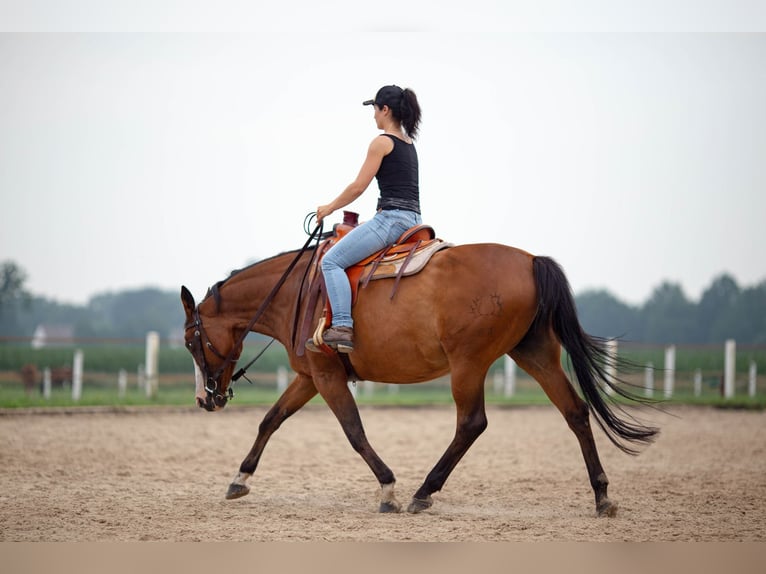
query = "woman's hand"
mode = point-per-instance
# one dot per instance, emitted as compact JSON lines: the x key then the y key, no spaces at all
{"x":323,"y":211}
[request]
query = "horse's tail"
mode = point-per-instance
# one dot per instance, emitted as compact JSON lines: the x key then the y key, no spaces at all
{"x":588,"y":356}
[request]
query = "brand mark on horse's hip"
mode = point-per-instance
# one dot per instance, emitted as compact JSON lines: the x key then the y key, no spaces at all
{"x":487,"y":306}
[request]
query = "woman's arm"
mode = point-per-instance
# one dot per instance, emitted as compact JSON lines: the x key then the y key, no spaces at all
{"x":379,"y":148}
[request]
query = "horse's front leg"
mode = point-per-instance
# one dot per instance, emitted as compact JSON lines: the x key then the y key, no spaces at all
{"x":297,"y":394}
{"x":334,"y":390}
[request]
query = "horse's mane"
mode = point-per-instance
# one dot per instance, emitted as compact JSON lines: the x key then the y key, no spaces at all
{"x":215,"y":290}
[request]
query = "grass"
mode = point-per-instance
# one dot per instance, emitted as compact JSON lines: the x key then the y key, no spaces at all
{"x":178,"y":391}
{"x":14,"y":397}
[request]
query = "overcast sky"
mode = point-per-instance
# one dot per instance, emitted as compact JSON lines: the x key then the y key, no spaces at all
{"x":131,"y":160}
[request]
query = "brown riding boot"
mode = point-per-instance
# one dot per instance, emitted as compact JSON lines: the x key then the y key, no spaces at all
{"x":339,"y":338}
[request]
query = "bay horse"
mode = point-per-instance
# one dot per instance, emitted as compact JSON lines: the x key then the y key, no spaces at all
{"x":469,"y":306}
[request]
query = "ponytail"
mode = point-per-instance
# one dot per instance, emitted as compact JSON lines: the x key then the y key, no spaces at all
{"x":409,"y":113}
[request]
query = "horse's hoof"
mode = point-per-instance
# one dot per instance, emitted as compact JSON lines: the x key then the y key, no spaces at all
{"x":418,"y":505}
{"x":237,"y":491}
{"x":606,"y":508}
{"x":390,"y":507}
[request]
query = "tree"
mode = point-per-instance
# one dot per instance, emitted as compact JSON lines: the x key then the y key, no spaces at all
{"x":716,"y":312}
{"x":603,"y":315}
{"x":12,"y":278}
{"x":132,"y":313}
{"x":750,"y":315}
{"x":670,"y":317}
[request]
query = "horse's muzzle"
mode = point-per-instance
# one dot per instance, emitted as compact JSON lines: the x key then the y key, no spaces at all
{"x":210,"y":403}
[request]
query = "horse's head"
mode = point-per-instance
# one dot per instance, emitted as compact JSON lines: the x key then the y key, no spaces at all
{"x":215,"y":349}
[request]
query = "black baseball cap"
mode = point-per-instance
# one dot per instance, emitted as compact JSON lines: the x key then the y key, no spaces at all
{"x":387,"y":96}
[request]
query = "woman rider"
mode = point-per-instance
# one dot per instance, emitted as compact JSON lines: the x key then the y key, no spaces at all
{"x":392,"y":159}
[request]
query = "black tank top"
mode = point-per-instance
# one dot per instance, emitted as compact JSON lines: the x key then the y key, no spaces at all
{"x":398,"y":177}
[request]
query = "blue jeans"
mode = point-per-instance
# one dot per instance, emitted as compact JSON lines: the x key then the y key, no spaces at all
{"x":361,"y":242}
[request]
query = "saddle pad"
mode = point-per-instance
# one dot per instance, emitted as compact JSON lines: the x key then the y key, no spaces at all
{"x":392,"y":266}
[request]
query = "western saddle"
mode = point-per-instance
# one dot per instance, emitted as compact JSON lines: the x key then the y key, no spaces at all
{"x":407,"y":256}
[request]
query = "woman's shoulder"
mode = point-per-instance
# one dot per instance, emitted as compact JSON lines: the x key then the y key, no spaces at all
{"x":383,"y":144}
{"x":393,"y":138}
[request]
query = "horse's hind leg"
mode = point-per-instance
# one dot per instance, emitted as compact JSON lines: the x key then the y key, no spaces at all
{"x":297,"y":394}
{"x":541,"y":358}
{"x":468,"y":392}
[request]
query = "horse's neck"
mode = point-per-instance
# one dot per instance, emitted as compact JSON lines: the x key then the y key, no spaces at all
{"x":247,"y":294}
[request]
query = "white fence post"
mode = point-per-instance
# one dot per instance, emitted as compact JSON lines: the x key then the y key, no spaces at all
{"x":122,"y":383}
{"x":47,"y":383}
{"x":697,"y":382}
{"x":753,"y":376}
{"x":649,"y":380}
{"x":670,"y":370}
{"x":509,"y":377}
{"x":369,"y":388}
{"x":152,"y":363}
{"x":77,"y":375}
{"x":281,"y":379}
{"x":730,"y":365}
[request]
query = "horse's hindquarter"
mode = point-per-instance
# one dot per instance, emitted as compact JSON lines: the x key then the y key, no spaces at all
{"x":471,"y":302}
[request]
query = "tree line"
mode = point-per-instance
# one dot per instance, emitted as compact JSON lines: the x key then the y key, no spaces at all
{"x":124,"y":314}
{"x":725,"y":311}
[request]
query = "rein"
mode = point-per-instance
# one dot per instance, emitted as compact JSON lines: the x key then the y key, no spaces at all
{"x":233,"y":355}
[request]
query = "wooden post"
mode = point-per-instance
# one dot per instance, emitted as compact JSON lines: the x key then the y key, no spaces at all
{"x":670,"y":370}
{"x":729,"y":369}
{"x":649,"y":380}
{"x":77,"y":375}
{"x":47,"y":383}
{"x":509,"y":377}
{"x":152,"y":363}
{"x":122,"y":383}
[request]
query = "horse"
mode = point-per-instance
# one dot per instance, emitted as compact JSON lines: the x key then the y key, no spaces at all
{"x":30,"y":377}
{"x":470,"y":305}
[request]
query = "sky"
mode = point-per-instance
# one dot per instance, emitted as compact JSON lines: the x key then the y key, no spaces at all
{"x":628,"y":149}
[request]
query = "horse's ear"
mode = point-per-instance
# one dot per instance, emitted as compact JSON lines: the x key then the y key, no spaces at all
{"x":188,"y":300}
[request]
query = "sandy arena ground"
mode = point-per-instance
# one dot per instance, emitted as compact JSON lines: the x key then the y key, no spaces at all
{"x":162,"y":474}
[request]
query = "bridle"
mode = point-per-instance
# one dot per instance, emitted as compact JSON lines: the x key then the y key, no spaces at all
{"x":201,"y":340}
{"x":197,"y":347}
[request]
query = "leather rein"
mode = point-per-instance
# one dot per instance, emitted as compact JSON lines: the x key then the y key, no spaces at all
{"x":202,"y":340}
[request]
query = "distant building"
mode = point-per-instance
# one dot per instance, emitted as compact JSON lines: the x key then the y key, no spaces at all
{"x":52,"y":336}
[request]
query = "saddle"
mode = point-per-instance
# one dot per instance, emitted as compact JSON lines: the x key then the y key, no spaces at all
{"x":407,"y":256}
